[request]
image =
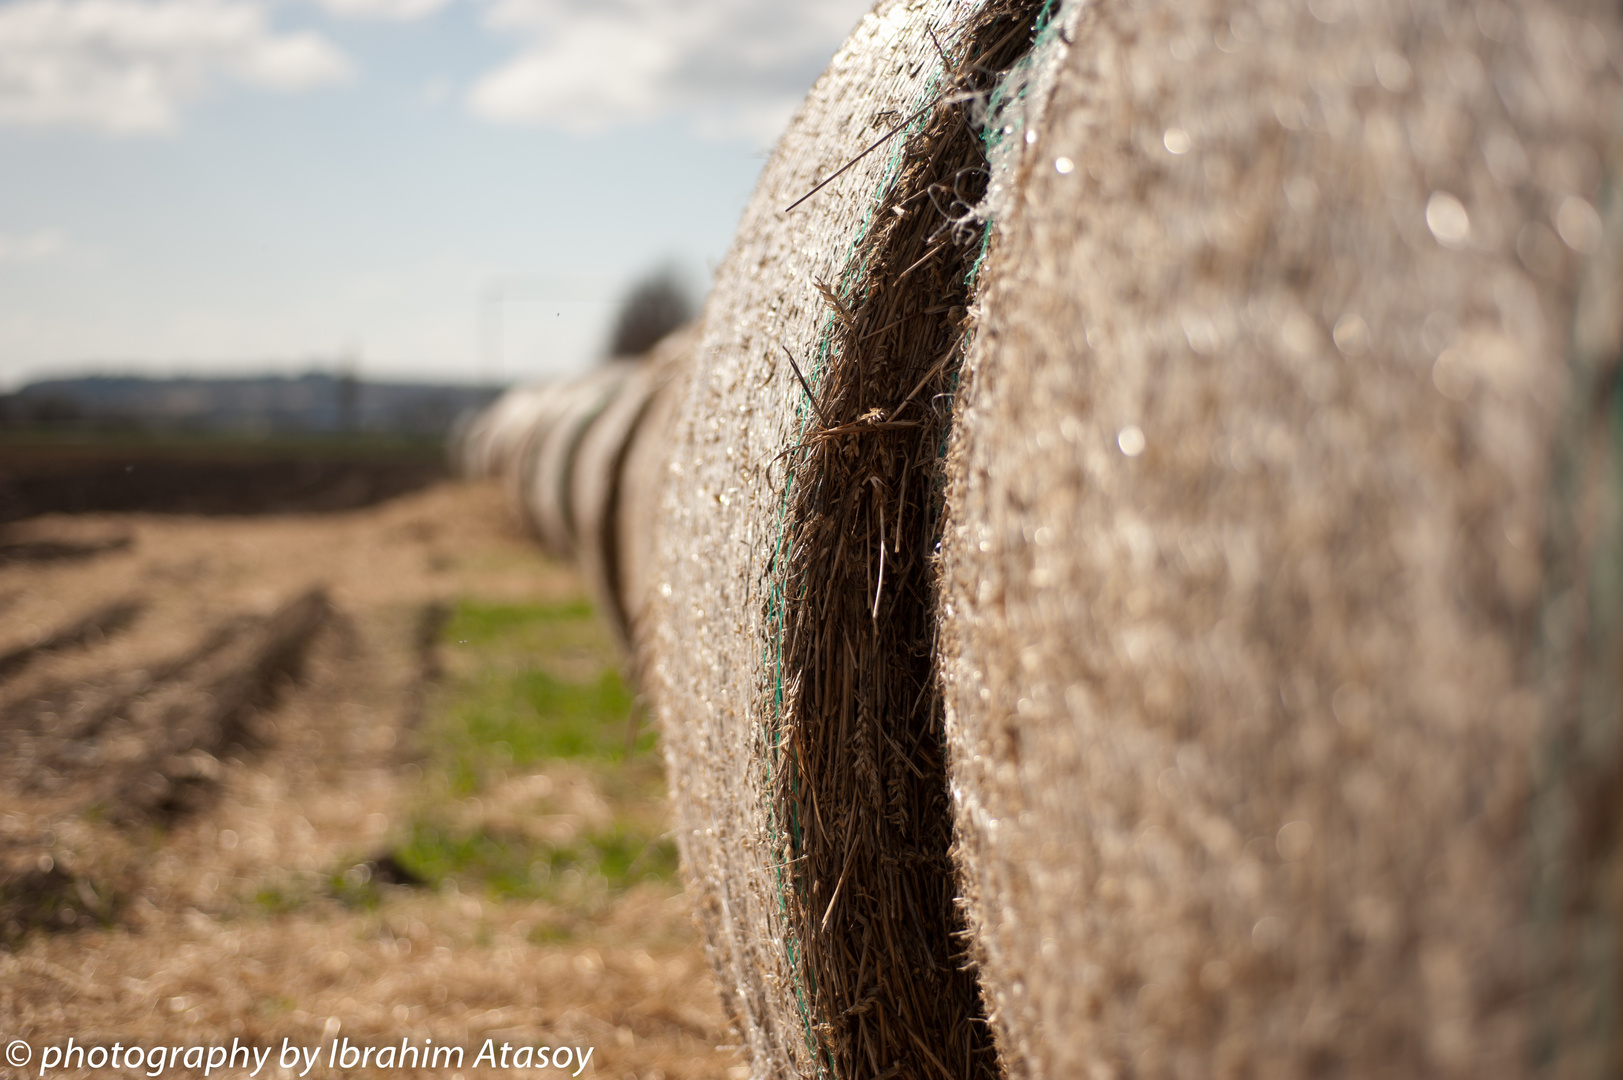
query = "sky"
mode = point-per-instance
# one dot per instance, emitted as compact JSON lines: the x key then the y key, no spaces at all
{"x":409,"y":189}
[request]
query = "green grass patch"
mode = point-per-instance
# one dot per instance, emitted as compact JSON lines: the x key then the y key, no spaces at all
{"x":514,"y":868}
{"x":354,"y":888}
{"x":276,"y":900}
{"x":532,"y":682}
{"x":533,"y":716}
{"x":273,"y":1006}
{"x":507,"y":625}
{"x":527,"y":685}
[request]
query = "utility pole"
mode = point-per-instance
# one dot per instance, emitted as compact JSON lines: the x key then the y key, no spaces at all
{"x":490,"y":331}
{"x":497,"y":292}
{"x":349,"y":390}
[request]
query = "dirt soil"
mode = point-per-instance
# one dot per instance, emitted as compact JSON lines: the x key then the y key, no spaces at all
{"x":220,"y":740}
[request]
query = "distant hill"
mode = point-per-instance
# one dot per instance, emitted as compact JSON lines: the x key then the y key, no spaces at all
{"x":306,"y":403}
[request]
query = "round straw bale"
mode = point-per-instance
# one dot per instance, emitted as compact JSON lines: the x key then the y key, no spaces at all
{"x":1279,"y":600}
{"x":547,"y":486}
{"x":468,"y":449}
{"x":601,"y":491}
{"x":522,"y":464}
{"x":644,"y":476}
{"x":786,"y":648}
{"x":495,"y":435}
{"x":457,"y":453}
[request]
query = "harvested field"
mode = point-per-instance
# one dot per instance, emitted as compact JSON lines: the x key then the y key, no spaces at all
{"x":368,"y":775}
{"x":203,"y":475}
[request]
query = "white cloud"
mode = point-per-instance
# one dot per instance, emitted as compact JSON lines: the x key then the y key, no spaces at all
{"x":736,"y":67}
{"x":128,"y":66}
{"x":393,"y":10}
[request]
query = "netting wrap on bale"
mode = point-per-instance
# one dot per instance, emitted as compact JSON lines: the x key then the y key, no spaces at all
{"x":788,"y":652}
{"x":1278,"y":617}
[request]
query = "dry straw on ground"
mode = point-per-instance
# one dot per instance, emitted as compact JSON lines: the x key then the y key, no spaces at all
{"x":1278,"y":621}
{"x":153,"y":892}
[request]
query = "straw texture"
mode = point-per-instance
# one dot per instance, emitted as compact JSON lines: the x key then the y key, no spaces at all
{"x":782,"y":673}
{"x":1281,"y":524}
{"x":863,"y":775}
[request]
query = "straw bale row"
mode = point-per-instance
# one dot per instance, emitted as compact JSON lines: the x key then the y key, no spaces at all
{"x":547,"y":488}
{"x":568,"y":455}
{"x":1130,"y":572}
{"x":615,"y":484}
{"x":487,"y":446}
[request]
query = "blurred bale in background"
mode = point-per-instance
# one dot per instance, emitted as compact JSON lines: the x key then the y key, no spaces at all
{"x":488,"y":445}
{"x":617,"y":481}
{"x":548,"y":493}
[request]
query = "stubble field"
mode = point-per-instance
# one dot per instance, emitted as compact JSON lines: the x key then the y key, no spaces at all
{"x":297,"y":779}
